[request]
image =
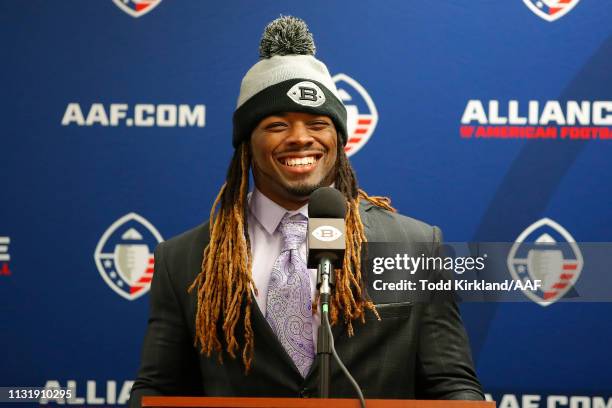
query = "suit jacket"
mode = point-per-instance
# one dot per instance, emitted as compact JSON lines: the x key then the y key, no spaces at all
{"x":417,"y":350}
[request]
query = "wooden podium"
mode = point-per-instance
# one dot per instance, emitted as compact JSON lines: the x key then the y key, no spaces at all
{"x":231,"y":402}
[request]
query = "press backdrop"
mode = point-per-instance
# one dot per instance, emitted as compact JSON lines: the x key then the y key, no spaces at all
{"x":116,"y":134}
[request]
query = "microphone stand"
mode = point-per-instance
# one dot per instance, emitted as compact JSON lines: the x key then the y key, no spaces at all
{"x":325,"y":340}
{"x":325,"y":282}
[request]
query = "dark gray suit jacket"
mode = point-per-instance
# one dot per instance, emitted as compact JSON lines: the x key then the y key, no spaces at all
{"x":418,"y":350}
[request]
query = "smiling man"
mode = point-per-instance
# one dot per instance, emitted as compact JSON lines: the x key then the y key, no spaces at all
{"x":232,"y":300}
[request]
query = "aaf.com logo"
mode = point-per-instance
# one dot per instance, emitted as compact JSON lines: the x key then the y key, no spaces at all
{"x":570,"y":120}
{"x":139,"y":115}
{"x":124,"y":255}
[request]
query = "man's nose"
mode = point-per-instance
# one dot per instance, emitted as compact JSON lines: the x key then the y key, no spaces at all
{"x":299,"y":134}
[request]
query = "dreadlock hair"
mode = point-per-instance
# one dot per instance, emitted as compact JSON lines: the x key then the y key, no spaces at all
{"x":225,"y":280}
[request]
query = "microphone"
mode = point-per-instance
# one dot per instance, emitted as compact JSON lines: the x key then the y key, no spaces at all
{"x":326,"y":227}
{"x":326,"y":247}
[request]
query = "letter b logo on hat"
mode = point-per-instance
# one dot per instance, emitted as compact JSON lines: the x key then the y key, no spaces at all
{"x":306,"y":93}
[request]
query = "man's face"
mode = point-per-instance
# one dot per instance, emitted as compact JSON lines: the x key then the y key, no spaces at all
{"x":293,"y":155}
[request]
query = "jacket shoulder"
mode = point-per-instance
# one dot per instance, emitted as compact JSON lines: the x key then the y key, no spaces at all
{"x":387,"y":226}
{"x":183,"y":241}
{"x":182,"y":255}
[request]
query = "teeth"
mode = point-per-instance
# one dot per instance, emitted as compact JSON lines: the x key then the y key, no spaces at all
{"x":300,"y":161}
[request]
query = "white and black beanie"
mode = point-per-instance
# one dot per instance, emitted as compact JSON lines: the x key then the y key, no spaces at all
{"x":287,"y":78}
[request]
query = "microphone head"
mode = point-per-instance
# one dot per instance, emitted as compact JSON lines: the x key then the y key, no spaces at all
{"x":326,"y":202}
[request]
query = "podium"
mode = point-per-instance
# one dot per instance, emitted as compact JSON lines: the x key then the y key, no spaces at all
{"x":232,"y":402}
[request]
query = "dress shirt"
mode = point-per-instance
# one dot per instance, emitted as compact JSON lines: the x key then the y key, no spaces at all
{"x":266,"y":243}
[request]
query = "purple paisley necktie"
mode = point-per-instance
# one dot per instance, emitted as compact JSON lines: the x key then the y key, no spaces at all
{"x":289,"y":307}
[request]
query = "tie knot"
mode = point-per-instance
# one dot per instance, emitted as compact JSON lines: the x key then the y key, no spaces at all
{"x":293,"y":230}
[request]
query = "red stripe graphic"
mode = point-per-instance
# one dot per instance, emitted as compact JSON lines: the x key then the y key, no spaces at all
{"x":364,"y":121}
{"x":145,"y":279}
{"x":548,"y":295}
{"x":570,"y":266}
{"x":5,"y":270}
{"x":563,"y":281}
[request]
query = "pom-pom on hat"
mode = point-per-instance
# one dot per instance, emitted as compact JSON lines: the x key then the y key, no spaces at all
{"x":287,"y":78}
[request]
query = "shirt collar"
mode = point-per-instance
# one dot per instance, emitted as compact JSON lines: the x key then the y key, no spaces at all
{"x":268,"y":213}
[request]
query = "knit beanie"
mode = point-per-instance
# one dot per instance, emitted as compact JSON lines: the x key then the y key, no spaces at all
{"x":287,"y":78}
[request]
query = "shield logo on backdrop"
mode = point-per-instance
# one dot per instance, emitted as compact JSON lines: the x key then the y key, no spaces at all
{"x":551,"y":10}
{"x":137,"y":8}
{"x":362,"y":115}
{"x":545,"y":251}
{"x":124,"y":255}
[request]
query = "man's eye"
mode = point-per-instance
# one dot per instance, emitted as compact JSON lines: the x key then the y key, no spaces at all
{"x":319,"y":124}
{"x":276,"y":126}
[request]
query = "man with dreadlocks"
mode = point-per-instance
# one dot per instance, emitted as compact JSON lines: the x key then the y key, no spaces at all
{"x":233,"y":307}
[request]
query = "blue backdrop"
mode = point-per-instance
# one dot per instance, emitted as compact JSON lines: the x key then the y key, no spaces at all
{"x":106,"y":114}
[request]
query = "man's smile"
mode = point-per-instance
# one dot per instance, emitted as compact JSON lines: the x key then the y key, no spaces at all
{"x":299,"y":162}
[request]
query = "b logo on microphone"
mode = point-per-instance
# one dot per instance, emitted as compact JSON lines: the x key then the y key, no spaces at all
{"x":326,"y":238}
{"x":326,"y":233}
